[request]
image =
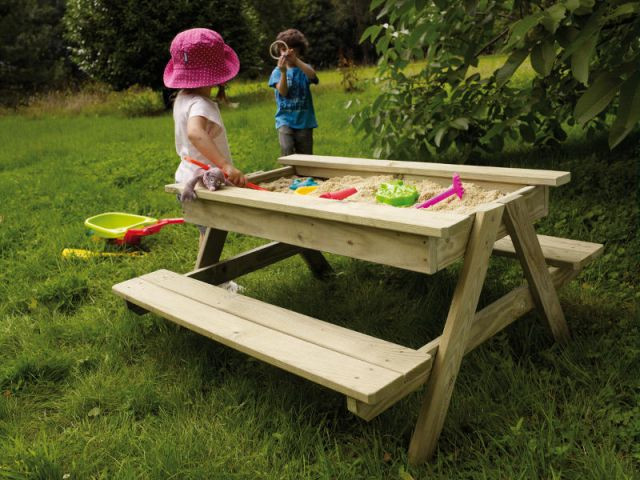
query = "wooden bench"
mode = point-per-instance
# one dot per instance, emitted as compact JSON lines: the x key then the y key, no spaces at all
{"x":360,"y":366}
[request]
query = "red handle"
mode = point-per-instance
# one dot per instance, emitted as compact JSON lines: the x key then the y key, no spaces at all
{"x":340,"y":194}
{"x":133,"y":233}
{"x":206,"y":167}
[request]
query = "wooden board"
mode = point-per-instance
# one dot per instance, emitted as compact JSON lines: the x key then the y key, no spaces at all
{"x":360,"y":366}
{"x":557,"y":251}
{"x":517,"y":176}
{"x":398,"y":249}
{"x":435,"y":224}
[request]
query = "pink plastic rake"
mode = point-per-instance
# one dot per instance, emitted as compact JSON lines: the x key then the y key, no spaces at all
{"x":455,"y":189}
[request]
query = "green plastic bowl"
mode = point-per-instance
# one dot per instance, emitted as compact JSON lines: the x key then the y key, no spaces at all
{"x":116,"y":224}
{"x":397,"y":194}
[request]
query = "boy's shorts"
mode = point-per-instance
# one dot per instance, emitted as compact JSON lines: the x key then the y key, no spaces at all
{"x":295,"y":140}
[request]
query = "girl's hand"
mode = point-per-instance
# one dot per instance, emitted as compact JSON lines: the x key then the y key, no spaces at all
{"x":234,"y":175}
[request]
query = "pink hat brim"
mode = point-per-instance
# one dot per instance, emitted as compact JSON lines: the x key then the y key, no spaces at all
{"x":182,"y":77}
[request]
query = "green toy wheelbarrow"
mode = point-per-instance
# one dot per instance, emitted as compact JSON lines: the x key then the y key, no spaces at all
{"x":126,"y":228}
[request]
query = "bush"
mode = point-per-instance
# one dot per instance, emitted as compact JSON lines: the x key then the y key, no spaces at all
{"x":140,"y":101}
{"x":32,"y":54}
{"x":126,"y":42}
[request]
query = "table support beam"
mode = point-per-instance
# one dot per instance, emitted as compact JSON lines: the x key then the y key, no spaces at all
{"x":244,"y":263}
{"x":529,"y":253}
{"x":486,"y":323}
{"x":454,"y":337}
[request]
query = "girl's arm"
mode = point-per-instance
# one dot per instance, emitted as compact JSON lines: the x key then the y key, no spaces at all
{"x":197,"y":133}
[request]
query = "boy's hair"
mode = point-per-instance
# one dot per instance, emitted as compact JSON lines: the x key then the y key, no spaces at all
{"x":294,"y":39}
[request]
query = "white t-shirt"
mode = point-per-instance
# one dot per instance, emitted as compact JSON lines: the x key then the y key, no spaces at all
{"x":189,"y":105}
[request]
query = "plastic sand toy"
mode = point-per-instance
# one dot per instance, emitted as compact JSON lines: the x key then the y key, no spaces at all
{"x":126,"y":228}
{"x":340,"y":194}
{"x":306,"y":190}
{"x":303,"y":182}
{"x":397,"y":194}
{"x":455,"y":189}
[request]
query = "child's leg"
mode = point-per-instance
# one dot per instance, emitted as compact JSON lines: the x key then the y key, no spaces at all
{"x":304,"y":141}
{"x":287,"y":141}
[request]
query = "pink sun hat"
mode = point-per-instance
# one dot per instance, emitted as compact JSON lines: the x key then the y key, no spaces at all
{"x":200,"y":58}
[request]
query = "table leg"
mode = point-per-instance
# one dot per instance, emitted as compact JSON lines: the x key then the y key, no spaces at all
{"x":454,"y":337}
{"x":316,"y":262}
{"x":211,"y":248}
{"x":529,"y":252}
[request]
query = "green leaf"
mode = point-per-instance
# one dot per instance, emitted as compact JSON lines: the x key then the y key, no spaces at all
{"x":572,"y":4}
{"x":522,"y":27}
{"x":581,"y":59}
{"x":543,"y":56}
{"x":626,"y":9}
{"x":375,"y":4}
{"x":460,"y":123}
{"x":628,"y":111}
{"x":372,"y":32}
{"x":504,"y":73}
{"x":439,"y":134}
{"x":597,"y":97}
{"x":553,"y":16}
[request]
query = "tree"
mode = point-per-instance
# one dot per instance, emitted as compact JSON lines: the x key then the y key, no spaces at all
{"x":126,"y":42}
{"x":32,"y":55}
{"x":586,"y":55}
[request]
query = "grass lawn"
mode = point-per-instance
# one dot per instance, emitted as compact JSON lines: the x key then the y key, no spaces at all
{"x":90,"y":390}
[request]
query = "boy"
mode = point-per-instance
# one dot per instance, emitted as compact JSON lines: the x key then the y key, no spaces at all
{"x":295,"y":117}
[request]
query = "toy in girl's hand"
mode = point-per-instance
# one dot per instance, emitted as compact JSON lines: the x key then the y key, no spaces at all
{"x":300,"y":182}
{"x":455,"y":189}
{"x":213,"y":179}
{"x":396,"y":193}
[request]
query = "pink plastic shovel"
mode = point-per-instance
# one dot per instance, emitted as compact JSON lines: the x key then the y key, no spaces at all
{"x":455,"y":189}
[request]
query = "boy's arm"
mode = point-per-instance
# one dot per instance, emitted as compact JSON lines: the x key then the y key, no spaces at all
{"x":308,"y":70}
{"x":197,"y":133}
{"x":282,"y":86}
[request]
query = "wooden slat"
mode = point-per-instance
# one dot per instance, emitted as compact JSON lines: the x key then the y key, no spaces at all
{"x":535,"y":270}
{"x":454,"y":336}
{"x":340,"y":372}
{"x":244,"y":263}
{"x":409,"y":220}
{"x":521,"y":176}
{"x":557,"y":251}
{"x":258,"y":177}
{"x":402,"y":360}
{"x":355,"y":241}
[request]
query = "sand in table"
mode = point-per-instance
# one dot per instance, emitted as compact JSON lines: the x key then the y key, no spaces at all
{"x":367,"y":186}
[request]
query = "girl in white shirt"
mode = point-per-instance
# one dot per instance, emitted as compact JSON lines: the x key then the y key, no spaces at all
{"x":200,"y":60}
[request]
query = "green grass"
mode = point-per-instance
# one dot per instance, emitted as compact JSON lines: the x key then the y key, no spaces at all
{"x":90,"y":390}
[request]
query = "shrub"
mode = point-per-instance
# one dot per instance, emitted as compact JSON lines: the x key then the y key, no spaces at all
{"x":126,"y":42}
{"x":140,"y":101}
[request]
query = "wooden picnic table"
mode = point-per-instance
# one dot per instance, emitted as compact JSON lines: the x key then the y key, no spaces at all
{"x":373,"y":373}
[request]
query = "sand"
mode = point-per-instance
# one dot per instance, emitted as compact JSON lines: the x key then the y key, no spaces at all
{"x":473,"y":194}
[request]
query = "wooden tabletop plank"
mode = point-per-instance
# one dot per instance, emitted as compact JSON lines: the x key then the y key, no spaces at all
{"x":409,"y":220}
{"x":518,"y":176}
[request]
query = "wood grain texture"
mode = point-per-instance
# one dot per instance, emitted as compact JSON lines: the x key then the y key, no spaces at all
{"x":531,"y":258}
{"x":352,"y":363}
{"x":454,"y":337}
{"x":521,"y":176}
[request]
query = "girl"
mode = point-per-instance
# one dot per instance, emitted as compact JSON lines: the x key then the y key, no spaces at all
{"x":199,"y":60}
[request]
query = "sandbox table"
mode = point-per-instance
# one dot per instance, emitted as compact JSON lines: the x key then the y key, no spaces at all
{"x":372,"y":373}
